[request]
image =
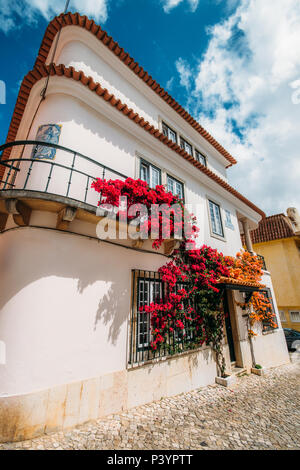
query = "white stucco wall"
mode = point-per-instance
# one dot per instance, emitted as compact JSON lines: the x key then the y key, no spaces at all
{"x":83,"y":51}
{"x":95,"y":135}
{"x":64,"y":305}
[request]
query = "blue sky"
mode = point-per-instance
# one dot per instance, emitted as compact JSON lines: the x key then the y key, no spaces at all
{"x":154,"y":38}
{"x":233,"y":64}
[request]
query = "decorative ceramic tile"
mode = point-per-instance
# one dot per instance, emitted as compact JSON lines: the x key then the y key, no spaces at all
{"x":46,"y":133}
{"x":228,"y":222}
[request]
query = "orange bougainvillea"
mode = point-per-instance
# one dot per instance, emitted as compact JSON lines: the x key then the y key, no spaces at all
{"x":262,"y":310}
{"x":247,"y":268}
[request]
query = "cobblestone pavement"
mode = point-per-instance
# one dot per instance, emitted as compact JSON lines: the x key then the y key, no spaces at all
{"x":256,"y":413}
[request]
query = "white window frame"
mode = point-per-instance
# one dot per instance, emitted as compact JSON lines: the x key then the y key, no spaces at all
{"x":184,"y":144}
{"x":140,"y":315}
{"x":170,"y":132}
{"x":176,"y":180}
{"x":212,"y":233}
{"x":294,"y":312}
{"x":282,"y":316}
{"x":150,"y":168}
{"x":200,"y":154}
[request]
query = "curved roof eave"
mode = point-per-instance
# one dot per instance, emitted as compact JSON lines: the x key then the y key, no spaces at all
{"x":43,"y":71}
{"x":74,"y":19}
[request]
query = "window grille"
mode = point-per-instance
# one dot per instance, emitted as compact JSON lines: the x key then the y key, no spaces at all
{"x":295,"y":316}
{"x":266,"y":325}
{"x":148,"y":287}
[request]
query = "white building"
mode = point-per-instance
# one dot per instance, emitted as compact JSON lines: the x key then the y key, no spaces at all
{"x":68,"y":300}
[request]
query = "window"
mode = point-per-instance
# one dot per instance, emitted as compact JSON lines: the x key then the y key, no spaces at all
{"x":201,"y":158}
{"x":186,"y":146}
{"x":168,"y":132}
{"x":148,"y":291}
{"x":148,"y":287}
{"x":150,"y":173}
{"x":282,"y":316}
{"x":215,"y":218}
{"x":295,"y":317}
{"x":266,"y":325}
{"x":228,"y":222}
{"x":175,"y":187}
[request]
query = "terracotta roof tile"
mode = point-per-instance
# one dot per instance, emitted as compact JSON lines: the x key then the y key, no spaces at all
{"x":230,"y":280}
{"x":271,"y":228}
{"x":69,"y":72}
{"x":84,"y":22}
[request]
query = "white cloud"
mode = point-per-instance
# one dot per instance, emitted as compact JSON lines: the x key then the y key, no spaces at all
{"x":185,"y":72}
{"x":169,"y":84}
{"x":193,"y":4}
{"x":168,"y":5}
{"x":245,"y":92}
{"x":28,"y":11}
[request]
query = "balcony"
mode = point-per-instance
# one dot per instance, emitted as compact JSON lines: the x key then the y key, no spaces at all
{"x":60,"y":182}
{"x":70,"y":175}
{"x":42,"y":176}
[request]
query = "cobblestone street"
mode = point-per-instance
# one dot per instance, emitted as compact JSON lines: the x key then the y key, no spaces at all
{"x":256,"y":413}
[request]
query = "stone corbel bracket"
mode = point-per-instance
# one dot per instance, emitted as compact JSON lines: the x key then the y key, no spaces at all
{"x":21,"y":212}
{"x":170,"y":246}
{"x":3,"y":220}
{"x":64,"y":217}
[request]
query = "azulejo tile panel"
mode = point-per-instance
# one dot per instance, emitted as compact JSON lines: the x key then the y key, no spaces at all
{"x":46,"y":133}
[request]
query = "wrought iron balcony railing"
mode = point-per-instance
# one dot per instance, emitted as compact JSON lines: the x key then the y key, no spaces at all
{"x":263,"y":261}
{"x":69,"y":175}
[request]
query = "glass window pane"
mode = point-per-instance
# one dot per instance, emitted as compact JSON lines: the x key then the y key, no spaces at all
{"x":201,"y":158}
{"x":145,"y":172}
{"x":155,"y":177}
{"x":168,"y":132}
{"x":212,"y":218}
{"x":150,"y":174}
{"x":176,"y":187}
{"x":295,"y":316}
{"x":149,"y":291}
{"x":172,"y":135}
{"x":216,"y":221}
{"x":282,"y":315}
{"x":170,"y":185}
{"x":188,"y":148}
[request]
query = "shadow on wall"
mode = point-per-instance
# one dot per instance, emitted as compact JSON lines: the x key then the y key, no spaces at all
{"x":109,"y":311}
{"x":35,"y":255}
